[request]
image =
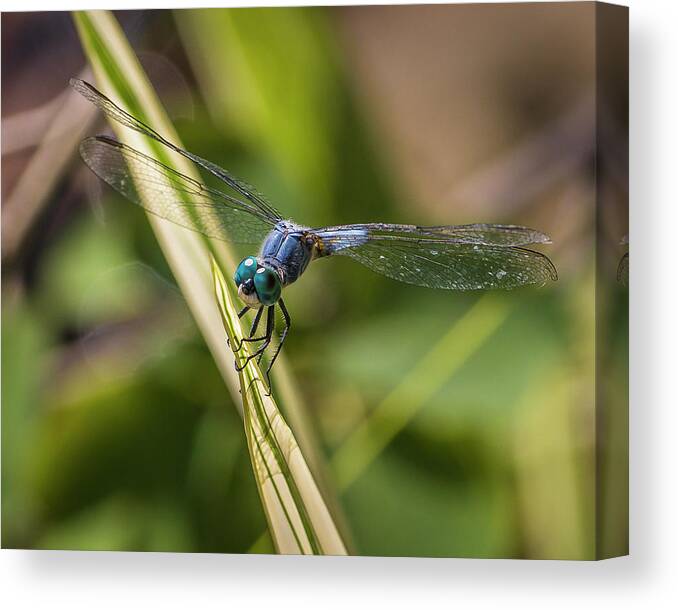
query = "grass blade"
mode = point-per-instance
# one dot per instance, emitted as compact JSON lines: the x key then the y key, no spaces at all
{"x":298,"y":518}
{"x":119,"y":75}
{"x":392,"y":414}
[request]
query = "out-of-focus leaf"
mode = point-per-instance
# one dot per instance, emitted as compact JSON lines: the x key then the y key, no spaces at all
{"x":418,"y":386}
{"x":80,"y":279}
{"x":457,"y":504}
{"x":25,"y":357}
{"x":275,"y":85}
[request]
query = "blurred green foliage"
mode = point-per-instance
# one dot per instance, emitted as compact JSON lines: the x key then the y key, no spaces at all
{"x":117,"y":431}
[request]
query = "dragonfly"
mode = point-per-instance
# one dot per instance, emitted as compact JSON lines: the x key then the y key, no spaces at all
{"x":452,"y":257}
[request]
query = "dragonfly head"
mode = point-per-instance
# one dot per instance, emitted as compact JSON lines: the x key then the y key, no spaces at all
{"x":257,"y":284}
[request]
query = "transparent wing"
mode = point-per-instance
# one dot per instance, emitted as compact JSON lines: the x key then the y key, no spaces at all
{"x":488,"y":234}
{"x":171,"y":195}
{"x":498,"y":235}
{"x":453,"y":258}
{"x":124,"y":118}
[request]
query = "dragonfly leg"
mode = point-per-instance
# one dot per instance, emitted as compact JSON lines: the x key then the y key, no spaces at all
{"x":253,"y":329}
{"x":283,"y":336}
{"x":241,"y":313}
{"x":270,"y":327}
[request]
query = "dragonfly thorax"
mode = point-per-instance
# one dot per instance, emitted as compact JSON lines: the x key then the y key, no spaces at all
{"x":288,"y":248}
{"x":258,"y":283}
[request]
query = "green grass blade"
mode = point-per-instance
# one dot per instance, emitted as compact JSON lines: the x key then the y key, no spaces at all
{"x":298,"y":518}
{"x":119,"y":75}
{"x":297,"y":513}
{"x":401,"y":405}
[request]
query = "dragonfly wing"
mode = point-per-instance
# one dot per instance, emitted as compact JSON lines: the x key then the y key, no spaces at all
{"x":490,"y":234}
{"x":124,"y":118}
{"x":435,"y":257}
{"x":173,"y":196}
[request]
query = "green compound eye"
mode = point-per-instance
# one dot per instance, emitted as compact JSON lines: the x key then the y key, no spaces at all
{"x":245,"y":271}
{"x":267,"y":285}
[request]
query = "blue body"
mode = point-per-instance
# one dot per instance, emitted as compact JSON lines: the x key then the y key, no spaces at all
{"x":289,"y":248}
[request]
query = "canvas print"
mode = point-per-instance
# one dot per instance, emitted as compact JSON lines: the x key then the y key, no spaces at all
{"x":317,"y":280}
